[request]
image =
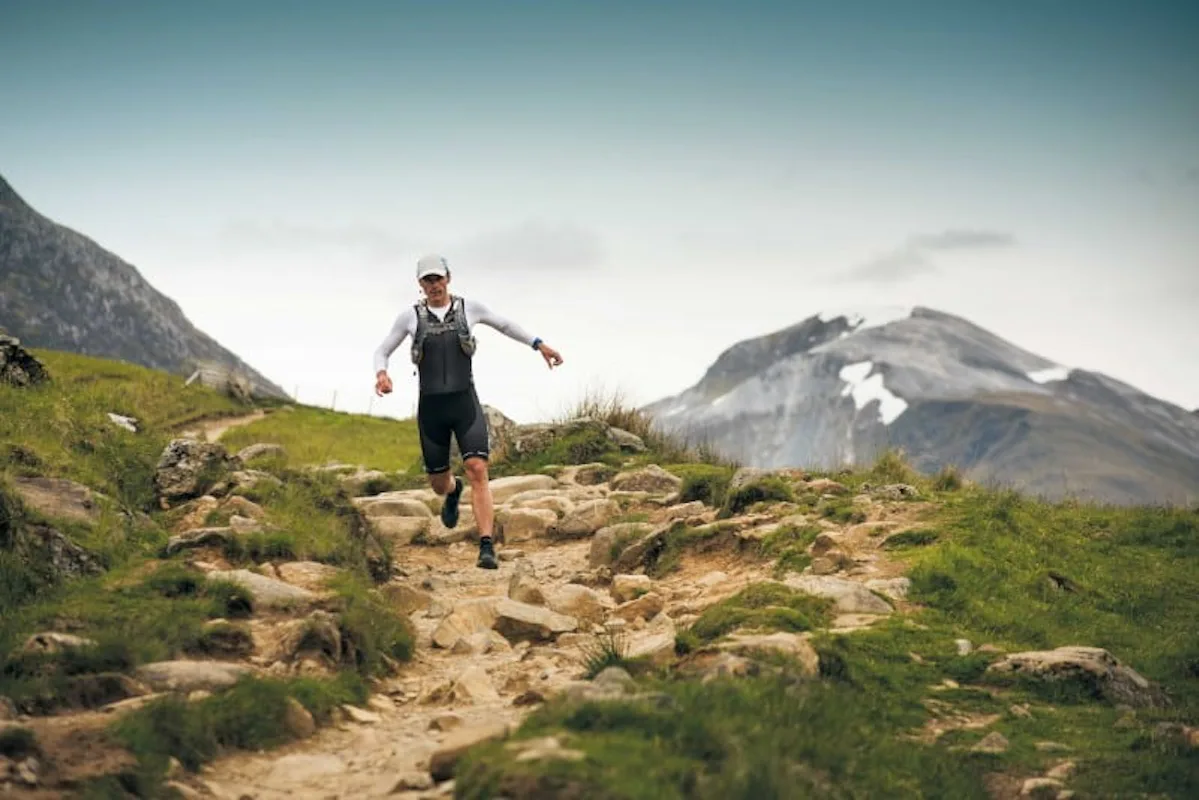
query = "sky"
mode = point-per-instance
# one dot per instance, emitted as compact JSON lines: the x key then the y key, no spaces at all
{"x":642,"y":185}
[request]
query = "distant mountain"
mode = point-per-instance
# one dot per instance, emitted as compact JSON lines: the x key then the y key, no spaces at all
{"x":838,"y":388}
{"x":62,"y":291}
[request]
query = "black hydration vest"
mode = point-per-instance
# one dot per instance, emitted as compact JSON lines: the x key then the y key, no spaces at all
{"x":442,"y":349}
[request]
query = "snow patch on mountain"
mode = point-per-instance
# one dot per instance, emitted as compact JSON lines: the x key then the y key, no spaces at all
{"x":866,"y":388}
{"x":1049,"y":374}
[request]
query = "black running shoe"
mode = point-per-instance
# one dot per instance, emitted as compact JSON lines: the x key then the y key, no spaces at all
{"x":486,"y":555}
{"x":449,"y":509}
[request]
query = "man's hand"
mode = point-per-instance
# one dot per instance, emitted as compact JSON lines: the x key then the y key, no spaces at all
{"x":551,"y":356}
{"x":382,"y":383}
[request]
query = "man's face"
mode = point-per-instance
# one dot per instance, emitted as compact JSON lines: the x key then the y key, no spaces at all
{"x":435,"y":288}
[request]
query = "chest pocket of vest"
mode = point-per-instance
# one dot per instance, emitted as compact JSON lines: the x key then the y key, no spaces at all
{"x":427,"y":324}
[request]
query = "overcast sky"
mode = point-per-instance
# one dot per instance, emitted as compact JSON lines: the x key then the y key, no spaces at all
{"x":641,"y":187}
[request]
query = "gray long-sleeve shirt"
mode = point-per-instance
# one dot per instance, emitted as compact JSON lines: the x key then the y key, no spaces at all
{"x":476,"y":314}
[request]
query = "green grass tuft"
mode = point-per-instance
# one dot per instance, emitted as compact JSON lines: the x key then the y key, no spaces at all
{"x":762,"y":607}
{"x":769,"y":488}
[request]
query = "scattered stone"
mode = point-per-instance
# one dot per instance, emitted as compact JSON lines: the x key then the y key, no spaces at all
{"x":504,"y":488}
{"x":694,"y":510}
{"x":188,"y":676}
{"x":895,"y":588}
{"x":393,"y":504}
{"x":850,"y":597}
{"x":310,"y":575}
{"x":199,"y":537}
{"x":188,"y":468}
{"x":360,"y":715}
{"x":412,"y":782}
{"x":470,"y":616}
{"x":49,"y":642}
{"x":405,"y":599}
{"x":1032,"y":785}
{"x":791,"y":644}
{"x":629,"y":587}
{"x":524,"y":524}
{"x":1062,"y":771}
{"x":647,"y":479}
{"x":19,"y":367}
{"x":41,"y":544}
{"x":893,"y":491}
{"x":626,"y":441}
{"x":445,"y":758}
{"x":1093,"y":668}
{"x":587,"y":518}
{"x":259,"y":450}
{"x":298,"y":720}
{"x":542,"y":749}
{"x":646,"y":606}
{"x":611,"y":537}
{"x":822,"y":486}
{"x":523,"y":585}
{"x":993,"y":742}
{"x":517,"y":621}
{"x":474,"y":686}
{"x":584,"y":604}
{"x":58,"y":498}
{"x":266,"y":592}
{"x":400,"y":530}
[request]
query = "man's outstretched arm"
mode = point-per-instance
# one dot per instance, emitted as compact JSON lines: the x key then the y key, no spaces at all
{"x":479,"y":314}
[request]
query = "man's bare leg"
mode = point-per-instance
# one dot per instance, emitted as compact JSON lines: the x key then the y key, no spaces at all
{"x":483,"y":507}
{"x":480,"y":494}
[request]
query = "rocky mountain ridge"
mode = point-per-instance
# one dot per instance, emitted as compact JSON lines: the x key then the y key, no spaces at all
{"x":61,"y":290}
{"x":838,"y":388}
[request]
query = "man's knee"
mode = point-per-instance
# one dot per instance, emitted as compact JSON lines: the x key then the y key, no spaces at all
{"x":441,"y":482}
{"x":476,"y":469}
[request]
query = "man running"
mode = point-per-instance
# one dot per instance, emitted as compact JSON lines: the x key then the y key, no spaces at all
{"x":442,"y":349}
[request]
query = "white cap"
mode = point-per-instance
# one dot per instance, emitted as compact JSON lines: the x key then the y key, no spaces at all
{"x":431,"y":265}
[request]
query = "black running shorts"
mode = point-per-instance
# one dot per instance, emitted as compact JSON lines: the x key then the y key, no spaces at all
{"x":457,"y":413}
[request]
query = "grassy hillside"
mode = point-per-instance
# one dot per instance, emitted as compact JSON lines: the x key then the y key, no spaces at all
{"x":141,"y":605}
{"x":320,"y":436}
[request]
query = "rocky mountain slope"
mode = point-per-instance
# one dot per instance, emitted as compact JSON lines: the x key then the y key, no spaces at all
{"x":838,"y":388}
{"x":60,"y":290}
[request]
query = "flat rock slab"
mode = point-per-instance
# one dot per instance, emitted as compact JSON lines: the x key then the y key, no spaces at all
{"x":1092,"y":669}
{"x":267,"y":592}
{"x":849,"y":596}
{"x":58,"y":498}
{"x":189,"y":676}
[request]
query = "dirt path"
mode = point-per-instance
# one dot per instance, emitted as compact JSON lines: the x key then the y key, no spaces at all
{"x":369,"y":758}
{"x":210,"y":429}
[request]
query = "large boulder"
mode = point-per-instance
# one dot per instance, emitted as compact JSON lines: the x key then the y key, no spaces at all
{"x":1091,"y":670}
{"x":19,"y":367}
{"x":189,"y":468}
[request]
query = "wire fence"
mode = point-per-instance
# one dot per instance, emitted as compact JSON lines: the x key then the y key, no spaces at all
{"x":357,"y":401}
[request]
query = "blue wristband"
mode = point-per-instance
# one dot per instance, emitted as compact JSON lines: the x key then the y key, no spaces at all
{"x":536,"y":342}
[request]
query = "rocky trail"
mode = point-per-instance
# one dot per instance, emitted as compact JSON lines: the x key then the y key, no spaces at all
{"x":493,"y":644}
